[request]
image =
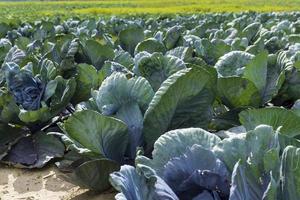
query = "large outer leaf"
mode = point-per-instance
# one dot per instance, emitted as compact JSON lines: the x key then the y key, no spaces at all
{"x":8,"y":108}
{"x":238,"y":92}
{"x":22,"y":42}
{"x":127,"y":100}
{"x":48,"y":147}
{"x":22,"y":153}
{"x":183,"y":100}
{"x":233,"y":63}
{"x":272,"y":193}
{"x":63,"y":93}
{"x":55,"y":52}
{"x":290,"y":173}
{"x":263,"y":149}
{"x":247,"y":185}
{"x":45,"y":69}
{"x":124,"y":58}
{"x":252,"y":146}
{"x":63,"y":51}
{"x":172,"y":37}
{"x":98,"y":133}
{"x":251,"y":30}
{"x":94,"y":174}
{"x":236,"y":146}
{"x":274,"y":117}
{"x":117,"y":90}
{"x":97,"y":53}
{"x":248,"y":90}
{"x":5,"y":46}
{"x":4,"y":28}
{"x":156,"y":68}
{"x":35,"y":151}
{"x":184,"y":53}
{"x":256,"y":70}
{"x":174,"y":143}
{"x":150,"y":45}
{"x":133,"y":118}
{"x":277,"y":64}
{"x":130,"y":37}
{"x":290,"y":88}
{"x":140,"y":184}
{"x":9,"y":136}
{"x":67,"y":54}
{"x":15,"y":55}
{"x":242,"y":185}
{"x":211,"y":51}
{"x":87,"y":79}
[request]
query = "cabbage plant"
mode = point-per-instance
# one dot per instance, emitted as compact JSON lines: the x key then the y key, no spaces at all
{"x":204,"y":106}
{"x":195,"y":164}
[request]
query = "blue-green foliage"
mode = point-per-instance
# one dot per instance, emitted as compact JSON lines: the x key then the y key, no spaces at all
{"x":200,"y":107}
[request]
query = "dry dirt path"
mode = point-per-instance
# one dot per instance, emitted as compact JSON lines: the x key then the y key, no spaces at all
{"x":41,"y":184}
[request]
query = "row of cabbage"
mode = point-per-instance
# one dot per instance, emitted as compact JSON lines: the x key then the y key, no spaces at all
{"x":200,"y":107}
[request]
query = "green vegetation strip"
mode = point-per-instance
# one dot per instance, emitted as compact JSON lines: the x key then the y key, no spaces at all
{"x":35,"y":10}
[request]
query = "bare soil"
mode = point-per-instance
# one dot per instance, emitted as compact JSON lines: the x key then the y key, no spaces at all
{"x":42,"y":184}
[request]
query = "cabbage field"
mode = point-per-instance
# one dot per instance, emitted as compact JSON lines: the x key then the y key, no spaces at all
{"x":194,"y":107}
